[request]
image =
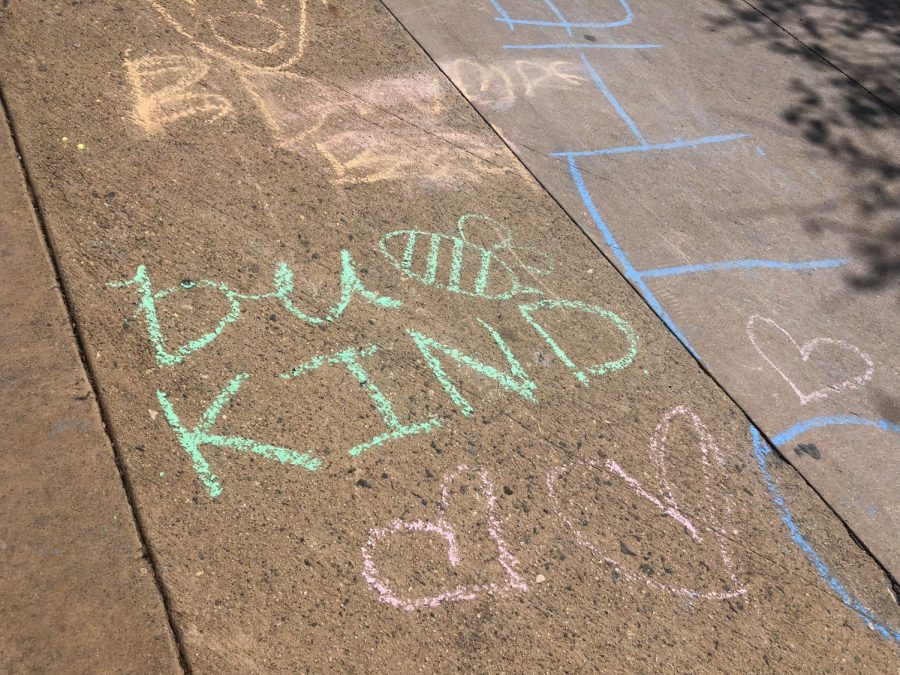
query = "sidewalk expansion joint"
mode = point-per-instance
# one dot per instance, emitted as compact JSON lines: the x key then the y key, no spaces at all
{"x":894,"y":583}
{"x":98,"y":396}
{"x":820,"y":55}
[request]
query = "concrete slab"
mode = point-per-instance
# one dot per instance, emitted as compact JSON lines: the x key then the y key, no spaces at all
{"x":383,"y":405}
{"x":859,"y":38}
{"x":78,"y":594}
{"x":755,"y":217}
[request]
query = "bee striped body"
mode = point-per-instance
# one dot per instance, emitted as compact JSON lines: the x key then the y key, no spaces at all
{"x":452,"y":263}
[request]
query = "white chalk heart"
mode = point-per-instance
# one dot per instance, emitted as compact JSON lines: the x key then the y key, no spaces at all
{"x":805,"y":351}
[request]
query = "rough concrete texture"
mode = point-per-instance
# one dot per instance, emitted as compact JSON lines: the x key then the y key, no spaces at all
{"x":383,"y":405}
{"x":77,"y":592}
{"x":747,"y":189}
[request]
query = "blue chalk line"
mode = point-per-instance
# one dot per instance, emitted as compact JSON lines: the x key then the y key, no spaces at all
{"x":762,"y":450}
{"x":744,"y":265}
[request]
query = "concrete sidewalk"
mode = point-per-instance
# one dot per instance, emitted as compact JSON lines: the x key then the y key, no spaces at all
{"x":77,"y":591}
{"x":747,"y":189}
{"x":381,"y":404}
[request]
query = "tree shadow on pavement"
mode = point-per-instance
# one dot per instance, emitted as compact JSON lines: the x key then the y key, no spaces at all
{"x":837,"y":115}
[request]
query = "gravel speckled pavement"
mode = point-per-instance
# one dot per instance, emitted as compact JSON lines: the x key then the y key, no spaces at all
{"x":748,"y":189}
{"x":380,"y":404}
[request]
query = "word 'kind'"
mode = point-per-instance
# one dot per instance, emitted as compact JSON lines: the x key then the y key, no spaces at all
{"x":455,"y":251}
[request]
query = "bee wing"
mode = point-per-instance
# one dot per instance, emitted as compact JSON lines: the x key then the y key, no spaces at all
{"x":534,"y":261}
{"x":484,"y":231}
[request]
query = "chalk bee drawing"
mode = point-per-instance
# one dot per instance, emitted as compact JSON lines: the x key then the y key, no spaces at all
{"x":495,"y":279}
{"x":806,"y":351}
{"x":665,"y":503}
{"x":443,"y":528}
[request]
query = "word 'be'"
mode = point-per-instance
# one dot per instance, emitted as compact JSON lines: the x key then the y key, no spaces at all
{"x":454,"y":251}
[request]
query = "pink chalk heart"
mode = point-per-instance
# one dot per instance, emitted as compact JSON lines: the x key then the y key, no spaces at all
{"x":445,"y":529}
{"x":806,"y":350}
{"x":716,"y":509}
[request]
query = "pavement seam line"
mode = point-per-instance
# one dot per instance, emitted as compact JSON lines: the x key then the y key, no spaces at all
{"x":822,"y":56}
{"x":893,"y":583}
{"x":77,"y":334}
{"x":95,"y":388}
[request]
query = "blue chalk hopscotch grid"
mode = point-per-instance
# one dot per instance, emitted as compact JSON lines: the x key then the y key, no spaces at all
{"x":561,"y":21}
{"x":762,"y":449}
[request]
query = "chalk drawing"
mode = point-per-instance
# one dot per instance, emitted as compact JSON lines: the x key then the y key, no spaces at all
{"x":583,"y":45}
{"x":283,"y":283}
{"x":351,"y":285}
{"x":638,"y":278}
{"x":445,"y":529}
{"x":498,"y":84}
{"x":653,"y":147}
{"x":805,"y":351}
{"x":350,"y":359}
{"x":166,"y":90}
{"x":763,"y":452}
{"x":364,"y":132}
{"x":422,"y":93}
{"x":147,"y":305}
{"x":218,"y":25}
{"x":517,"y":381}
{"x":560,"y":20}
{"x":495,"y":279}
{"x":192,"y":440}
{"x":718,"y":509}
{"x":786,"y":437}
{"x":744,"y":265}
{"x":623,"y":326}
{"x":280,"y":45}
{"x":364,"y":167}
{"x":298,"y":108}
{"x":534,"y":74}
{"x":453,"y":159}
{"x":382,"y":129}
{"x":607,"y":93}
{"x":385,"y":148}
{"x":485,"y":84}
